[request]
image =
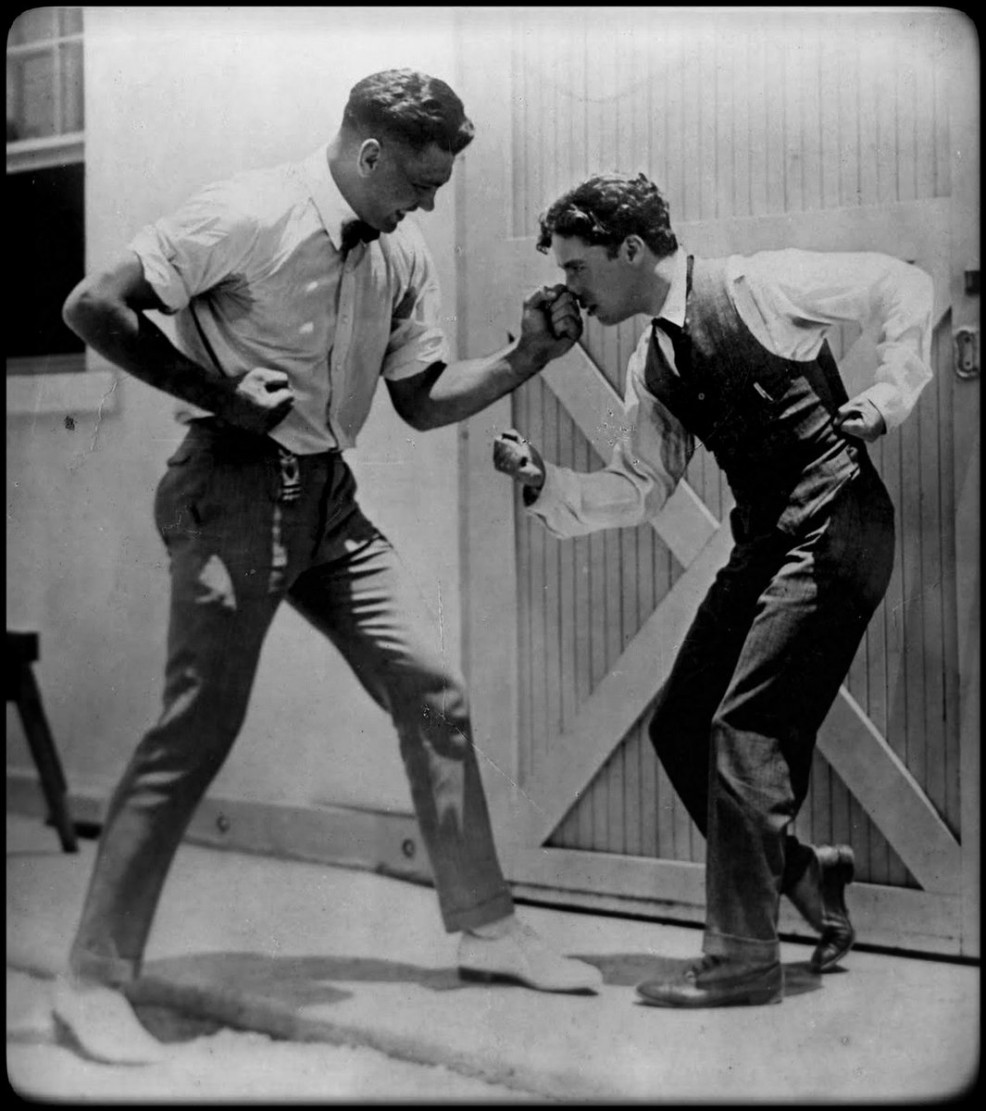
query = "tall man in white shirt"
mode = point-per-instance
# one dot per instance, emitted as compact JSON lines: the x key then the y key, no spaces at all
{"x":736,"y":357}
{"x":294,"y":289}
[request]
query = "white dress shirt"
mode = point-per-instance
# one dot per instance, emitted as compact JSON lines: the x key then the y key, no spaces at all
{"x":259,"y":254}
{"x":788,"y":299}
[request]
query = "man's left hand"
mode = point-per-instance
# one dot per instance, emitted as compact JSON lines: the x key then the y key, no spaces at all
{"x":861,"y":419}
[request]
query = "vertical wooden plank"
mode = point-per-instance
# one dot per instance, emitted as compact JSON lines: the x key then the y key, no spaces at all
{"x":567,"y":576}
{"x":840,"y":815}
{"x":657,"y":166}
{"x":898,"y":673}
{"x":756,"y":153}
{"x":554,"y":417}
{"x":538,"y":545}
{"x":709,"y":120}
{"x":776,"y":161}
{"x":831,"y":139}
{"x":931,"y":598}
{"x":943,"y":104}
{"x":791,"y":66}
{"x":739,"y":139}
{"x":521,"y":404}
{"x":887,"y":123}
{"x":905,"y":108}
{"x":649,"y":801}
{"x":943,"y":385}
{"x":519,"y":137}
{"x":577,"y":166}
{"x":869,"y":135}
{"x":609,"y":809}
{"x":923,"y":108}
{"x":850,"y":169}
{"x":691,"y":136}
{"x":584,"y":461}
{"x":860,"y":829}
{"x":812,"y":40}
{"x":642,"y":803}
{"x":916,"y":741}
{"x":675,"y":147}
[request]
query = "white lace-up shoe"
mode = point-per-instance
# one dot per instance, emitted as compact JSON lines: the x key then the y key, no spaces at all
{"x":104,"y":1024}
{"x":521,"y":956}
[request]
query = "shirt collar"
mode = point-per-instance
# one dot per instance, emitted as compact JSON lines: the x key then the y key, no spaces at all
{"x":332,"y":209}
{"x":673,"y":308}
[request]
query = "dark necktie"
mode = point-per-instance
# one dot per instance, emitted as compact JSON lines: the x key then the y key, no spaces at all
{"x":357,"y":231}
{"x":680,"y":342}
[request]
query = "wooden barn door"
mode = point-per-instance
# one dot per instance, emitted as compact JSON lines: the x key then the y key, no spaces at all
{"x":796,"y":131}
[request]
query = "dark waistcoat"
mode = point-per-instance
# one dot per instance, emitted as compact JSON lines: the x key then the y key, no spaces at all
{"x":767,"y":420}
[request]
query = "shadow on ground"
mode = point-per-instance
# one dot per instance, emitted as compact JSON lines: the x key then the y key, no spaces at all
{"x":630,"y":969}
{"x":182,"y":998}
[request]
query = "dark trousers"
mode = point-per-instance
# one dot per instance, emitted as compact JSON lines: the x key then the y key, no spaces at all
{"x":238,"y":548}
{"x":735,"y":723}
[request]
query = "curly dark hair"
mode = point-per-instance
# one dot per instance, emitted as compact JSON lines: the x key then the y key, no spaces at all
{"x":410,"y":107}
{"x":605,"y":209}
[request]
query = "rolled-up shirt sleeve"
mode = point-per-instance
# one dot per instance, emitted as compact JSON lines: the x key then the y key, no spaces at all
{"x":417,"y":339}
{"x":790,"y":298}
{"x":648,"y":461}
{"x":197,"y":247}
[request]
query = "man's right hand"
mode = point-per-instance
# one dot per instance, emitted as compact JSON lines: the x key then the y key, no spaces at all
{"x":513,"y":455}
{"x":259,"y":400}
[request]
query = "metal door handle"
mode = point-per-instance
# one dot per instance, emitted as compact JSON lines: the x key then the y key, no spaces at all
{"x":967,"y":352}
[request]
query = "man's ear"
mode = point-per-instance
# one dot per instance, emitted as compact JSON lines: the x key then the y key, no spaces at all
{"x":632,"y":249}
{"x":369,"y":157}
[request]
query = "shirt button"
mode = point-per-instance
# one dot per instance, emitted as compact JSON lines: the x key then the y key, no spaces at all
{"x":701,"y":397}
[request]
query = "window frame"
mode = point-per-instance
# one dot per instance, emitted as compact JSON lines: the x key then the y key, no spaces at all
{"x":47,"y":382}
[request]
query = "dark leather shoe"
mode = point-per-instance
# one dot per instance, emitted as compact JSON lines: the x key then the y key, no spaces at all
{"x":717,"y":982}
{"x":820,"y":896}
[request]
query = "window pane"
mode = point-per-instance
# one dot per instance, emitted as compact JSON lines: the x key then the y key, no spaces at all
{"x":33,"y":26}
{"x":70,"y":21}
{"x":34,"y":101}
{"x":72,"y":117}
{"x":45,"y":256}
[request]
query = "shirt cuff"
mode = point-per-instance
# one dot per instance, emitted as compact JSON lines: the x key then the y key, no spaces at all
{"x":539,"y":502}
{"x":886,"y":399}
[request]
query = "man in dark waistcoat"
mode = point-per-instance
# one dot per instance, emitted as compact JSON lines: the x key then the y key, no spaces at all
{"x":736,"y":358}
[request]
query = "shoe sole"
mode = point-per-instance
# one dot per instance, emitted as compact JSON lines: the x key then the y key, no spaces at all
{"x":749,"y":999}
{"x":475,"y":975}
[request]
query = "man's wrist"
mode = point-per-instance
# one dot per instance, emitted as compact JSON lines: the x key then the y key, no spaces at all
{"x":524,"y":362}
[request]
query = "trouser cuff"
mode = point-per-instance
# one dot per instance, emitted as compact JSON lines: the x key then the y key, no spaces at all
{"x":111,"y":971}
{"x":500,"y":906}
{"x":747,"y":949}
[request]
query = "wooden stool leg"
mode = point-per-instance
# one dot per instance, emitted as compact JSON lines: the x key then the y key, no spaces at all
{"x":45,"y":755}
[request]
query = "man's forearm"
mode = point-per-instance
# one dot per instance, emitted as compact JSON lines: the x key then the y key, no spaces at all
{"x":135,"y":344}
{"x":468,"y":386}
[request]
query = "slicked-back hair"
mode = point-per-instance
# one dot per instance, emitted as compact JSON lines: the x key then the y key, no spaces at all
{"x":605,"y":209}
{"x":410,"y":107}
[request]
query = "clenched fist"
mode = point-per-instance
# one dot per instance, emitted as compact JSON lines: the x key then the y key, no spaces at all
{"x":513,"y":455}
{"x":260,"y":399}
{"x":860,"y":418}
{"x":551,"y":323}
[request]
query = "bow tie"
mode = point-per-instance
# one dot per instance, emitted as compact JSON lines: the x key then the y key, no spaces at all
{"x":357,"y":231}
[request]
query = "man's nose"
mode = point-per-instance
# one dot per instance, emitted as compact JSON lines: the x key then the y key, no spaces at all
{"x":428,"y":203}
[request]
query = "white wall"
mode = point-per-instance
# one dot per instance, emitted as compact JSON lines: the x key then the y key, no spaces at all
{"x":175,"y":98}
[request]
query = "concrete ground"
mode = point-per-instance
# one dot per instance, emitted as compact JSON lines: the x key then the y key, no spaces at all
{"x":278,"y":981}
